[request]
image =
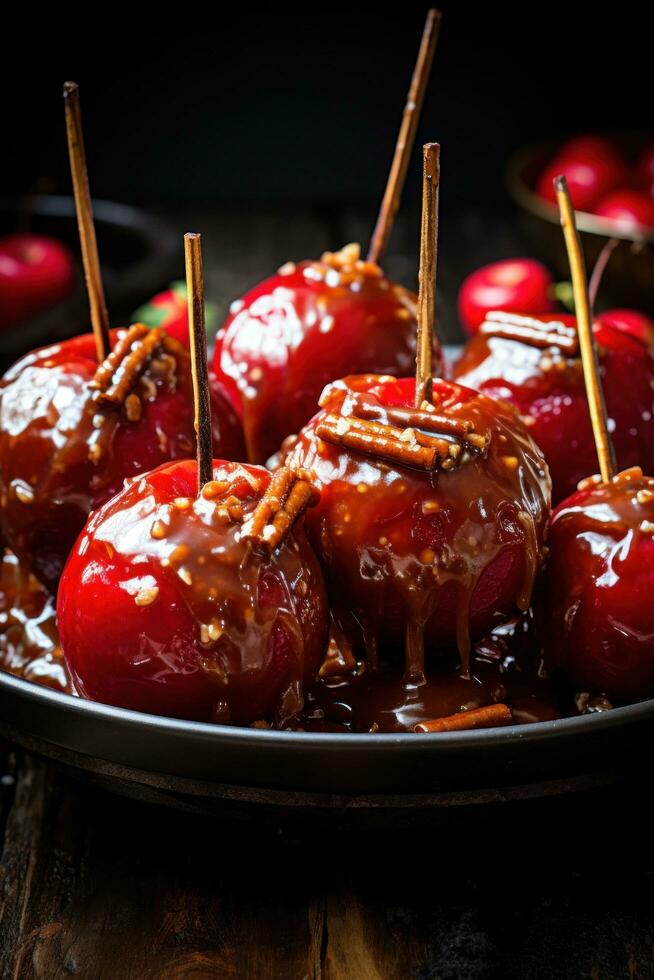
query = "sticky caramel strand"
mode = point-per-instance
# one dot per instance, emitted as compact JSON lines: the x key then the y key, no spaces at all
{"x":402,"y":442}
{"x":121,"y":370}
{"x":288,"y":495}
{"x":527,"y":330}
{"x":491,"y":716}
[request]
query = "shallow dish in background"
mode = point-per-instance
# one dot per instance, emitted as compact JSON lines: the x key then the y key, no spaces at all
{"x":139,"y":251}
{"x":629,"y":277}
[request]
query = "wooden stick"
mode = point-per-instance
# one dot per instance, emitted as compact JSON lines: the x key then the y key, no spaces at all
{"x":406,"y":136}
{"x":199,"y":369}
{"x":427,"y":273}
{"x":84,"y":209}
{"x":595,"y":395}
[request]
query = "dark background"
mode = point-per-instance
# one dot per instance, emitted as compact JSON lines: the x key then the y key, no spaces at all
{"x":281,"y":104}
{"x":270,"y":130}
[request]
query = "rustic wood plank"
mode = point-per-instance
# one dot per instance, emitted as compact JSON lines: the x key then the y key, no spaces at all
{"x":95,"y":885}
{"x":100,"y":886}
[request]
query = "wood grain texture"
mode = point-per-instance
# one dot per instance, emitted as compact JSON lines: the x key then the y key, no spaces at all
{"x":93,"y":885}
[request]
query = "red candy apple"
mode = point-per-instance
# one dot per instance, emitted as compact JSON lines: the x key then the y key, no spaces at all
{"x":630,"y":210}
{"x":632,"y":322}
{"x":71,"y":432}
{"x":430,"y":522}
{"x":179,"y":605}
{"x":598,"y":587}
{"x":534,"y":363}
{"x":169,"y":309}
{"x":514,"y":285}
{"x":36,"y":273}
{"x":592,"y":168}
{"x":296,"y":332}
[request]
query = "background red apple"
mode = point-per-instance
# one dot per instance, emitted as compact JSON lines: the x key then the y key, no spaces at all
{"x":36,"y":273}
{"x":630,"y":210}
{"x":514,"y":285}
{"x":592,"y":168}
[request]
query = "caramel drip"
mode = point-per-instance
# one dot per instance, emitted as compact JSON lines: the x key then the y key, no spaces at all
{"x":29,"y":641}
{"x":462,"y":626}
{"x":527,"y":330}
{"x":532,"y":555}
{"x":284,"y":502}
{"x":120,"y":371}
{"x":339,"y":659}
{"x":414,"y":651}
{"x":491,"y":716}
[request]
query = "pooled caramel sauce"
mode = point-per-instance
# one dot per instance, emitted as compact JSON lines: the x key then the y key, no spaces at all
{"x":507,"y":668}
{"x":29,"y":641}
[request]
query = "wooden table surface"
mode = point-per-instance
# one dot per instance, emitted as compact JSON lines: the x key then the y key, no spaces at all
{"x":94,"y":885}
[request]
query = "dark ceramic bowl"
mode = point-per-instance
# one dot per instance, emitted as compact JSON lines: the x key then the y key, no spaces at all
{"x":369,"y":780}
{"x":629,"y":276}
{"x":139,"y":253}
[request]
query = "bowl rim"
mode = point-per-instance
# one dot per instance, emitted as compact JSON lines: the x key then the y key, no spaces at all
{"x":522,"y":194}
{"x":597,"y":722}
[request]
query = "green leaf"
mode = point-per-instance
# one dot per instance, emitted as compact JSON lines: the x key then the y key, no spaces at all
{"x":152,"y":316}
{"x":562,"y":292}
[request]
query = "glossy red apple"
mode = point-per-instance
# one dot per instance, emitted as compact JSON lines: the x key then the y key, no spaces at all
{"x":598,"y":588}
{"x":516,"y":285}
{"x":165,"y":607}
{"x":633,"y":322}
{"x":630,"y":210}
{"x":61,"y":456}
{"x":297,"y":331}
{"x":592,"y":168}
{"x":36,"y":273}
{"x":546,"y":386}
{"x":446,"y":554}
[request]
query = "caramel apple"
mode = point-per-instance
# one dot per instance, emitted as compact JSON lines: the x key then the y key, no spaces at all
{"x":296,"y":332}
{"x":194,"y":591}
{"x":79,"y":417}
{"x":600,"y":622}
{"x":430,"y":521}
{"x":534,"y":363}
{"x":433,"y":504}
{"x":71,"y":431}
{"x":209,"y":607}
